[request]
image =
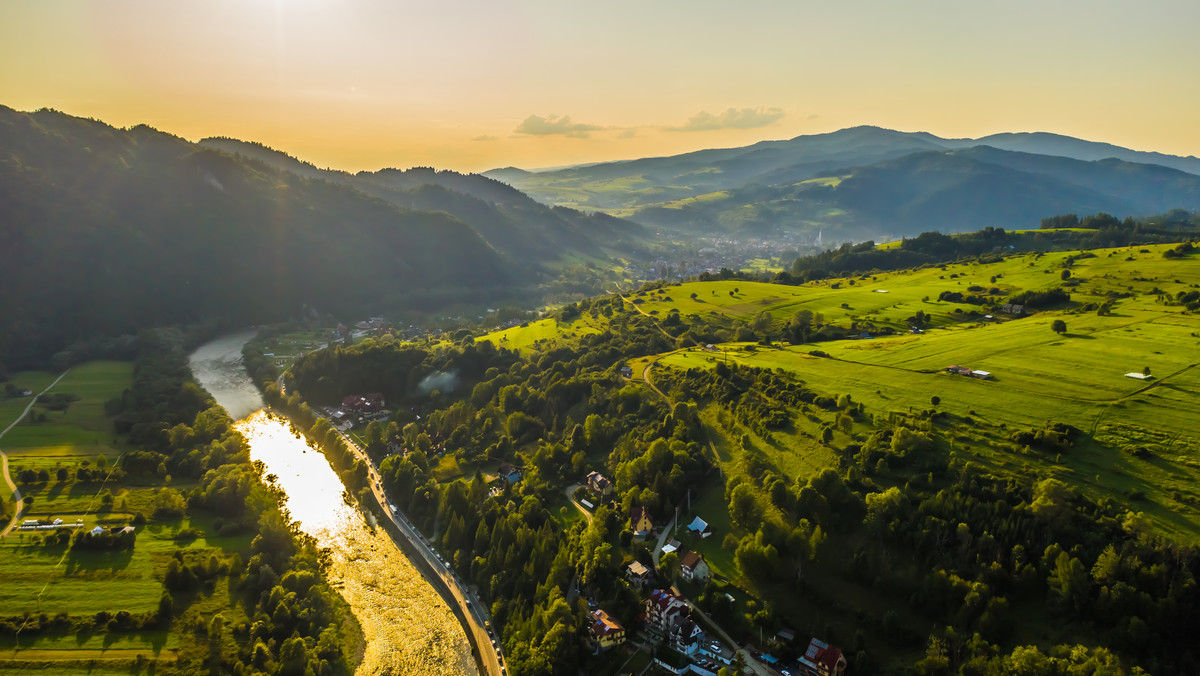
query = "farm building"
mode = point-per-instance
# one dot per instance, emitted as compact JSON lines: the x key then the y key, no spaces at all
{"x":964,"y":371}
{"x":1139,"y":376}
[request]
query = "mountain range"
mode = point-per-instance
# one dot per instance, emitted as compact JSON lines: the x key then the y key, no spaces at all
{"x":108,"y":231}
{"x":873,"y":182}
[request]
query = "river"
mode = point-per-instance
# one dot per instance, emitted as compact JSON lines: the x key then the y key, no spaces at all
{"x":409,"y":629}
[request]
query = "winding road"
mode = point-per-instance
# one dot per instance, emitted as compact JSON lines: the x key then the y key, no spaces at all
{"x":4,"y":457}
{"x":571,"y":496}
{"x":477,"y":620}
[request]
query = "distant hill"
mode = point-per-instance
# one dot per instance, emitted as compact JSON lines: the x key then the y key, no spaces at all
{"x":509,"y":220}
{"x":107,"y":231}
{"x":871,"y":182}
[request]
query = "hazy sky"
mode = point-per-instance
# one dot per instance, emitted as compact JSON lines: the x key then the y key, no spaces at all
{"x":471,"y":85}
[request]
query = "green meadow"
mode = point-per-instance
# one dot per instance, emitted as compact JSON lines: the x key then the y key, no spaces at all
{"x":544,"y":332}
{"x":1142,"y":444}
{"x":50,"y":579}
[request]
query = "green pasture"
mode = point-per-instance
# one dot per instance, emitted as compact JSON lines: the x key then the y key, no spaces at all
{"x":34,"y":381}
{"x":84,"y":423}
{"x":543,"y":333}
{"x":889,"y":299}
{"x":1038,"y":376}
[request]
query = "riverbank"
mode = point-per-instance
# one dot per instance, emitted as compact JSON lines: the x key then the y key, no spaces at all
{"x":410,"y":626}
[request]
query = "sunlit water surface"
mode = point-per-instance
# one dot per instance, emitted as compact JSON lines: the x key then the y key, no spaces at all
{"x":408,"y":627}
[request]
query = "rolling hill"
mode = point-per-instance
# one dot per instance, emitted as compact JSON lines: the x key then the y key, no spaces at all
{"x":869,"y":182}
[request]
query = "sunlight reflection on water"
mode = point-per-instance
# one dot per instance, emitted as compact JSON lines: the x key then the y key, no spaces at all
{"x":409,"y":629}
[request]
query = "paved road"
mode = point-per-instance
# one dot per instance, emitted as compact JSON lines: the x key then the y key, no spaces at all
{"x":662,"y":539}
{"x":4,"y":458}
{"x":478,"y":626}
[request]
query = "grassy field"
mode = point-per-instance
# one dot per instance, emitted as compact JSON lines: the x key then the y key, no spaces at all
{"x":53,"y":579}
{"x":543,"y":333}
{"x":1038,"y":376}
{"x":288,"y":347}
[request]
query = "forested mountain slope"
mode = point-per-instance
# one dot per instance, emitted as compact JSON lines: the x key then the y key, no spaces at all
{"x":506,"y":218}
{"x":108,"y":231}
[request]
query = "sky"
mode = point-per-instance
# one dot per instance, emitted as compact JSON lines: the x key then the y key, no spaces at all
{"x":477,"y":84}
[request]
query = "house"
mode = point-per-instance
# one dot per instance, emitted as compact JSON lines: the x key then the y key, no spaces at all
{"x":701,"y":527}
{"x":97,"y":531}
{"x":599,"y":484}
{"x":509,"y":473}
{"x":604,"y":631}
{"x":685,"y":636}
{"x":664,"y":609}
{"x":640,"y":522}
{"x":1012,"y":309}
{"x":786,"y":635}
{"x":693,"y":567}
{"x":363,"y":403}
{"x":822,"y":659}
{"x":672,"y":545}
{"x":626,"y":371}
{"x":959,"y":370}
{"x":638,"y":574}
{"x":669,"y":616}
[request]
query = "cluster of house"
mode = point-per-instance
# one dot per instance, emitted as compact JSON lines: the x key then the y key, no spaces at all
{"x":358,"y":407}
{"x":667,"y":617}
{"x":964,"y":371}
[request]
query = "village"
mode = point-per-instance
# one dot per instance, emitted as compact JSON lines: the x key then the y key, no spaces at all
{"x":681,"y":637}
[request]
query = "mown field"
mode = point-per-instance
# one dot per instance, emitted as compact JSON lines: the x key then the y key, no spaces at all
{"x":52,"y":579}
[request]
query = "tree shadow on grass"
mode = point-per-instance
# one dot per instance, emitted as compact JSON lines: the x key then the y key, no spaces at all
{"x":92,"y":561}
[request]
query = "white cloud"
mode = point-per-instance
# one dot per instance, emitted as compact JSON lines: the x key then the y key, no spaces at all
{"x":535,"y":125}
{"x":733,"y":118}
